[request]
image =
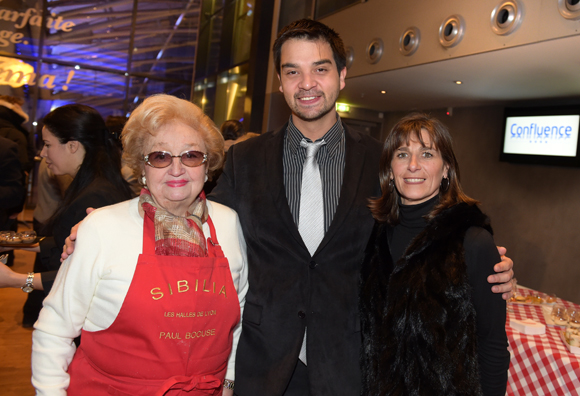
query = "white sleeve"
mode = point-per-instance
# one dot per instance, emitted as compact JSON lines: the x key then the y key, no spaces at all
{"x":241,"y":284}
{"x":64,"y":313}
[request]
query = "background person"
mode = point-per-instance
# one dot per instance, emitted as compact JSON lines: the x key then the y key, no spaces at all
{"x":76,"y":143}
{"x":115,"y":125}
{"x":430,"y":323}
{"x":12,"y":116}
{"x":49,"y":194}
{"x":231,"y":130}
{"x":157,"y":283}
{"x":11,"y":188}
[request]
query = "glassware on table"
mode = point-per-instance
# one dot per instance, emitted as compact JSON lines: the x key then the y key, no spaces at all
{"x":515,"y":294}
{"x":551,"y":298}
{"x":573,"y":328}
{"x":560,"y":315}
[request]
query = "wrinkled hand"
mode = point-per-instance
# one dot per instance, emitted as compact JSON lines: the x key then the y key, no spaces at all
{"x":503,"y":276}
{"x":69,"y":243}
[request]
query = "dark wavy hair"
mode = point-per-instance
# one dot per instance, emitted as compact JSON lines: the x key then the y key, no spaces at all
{"x":307,"y":29}
{"x":77,"y":122}
{"x":232,"y":129}
{"x":385,"y":209}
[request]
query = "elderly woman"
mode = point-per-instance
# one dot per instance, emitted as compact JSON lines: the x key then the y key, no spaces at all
{"x":430,"y":324}
{"x":156,"y":284}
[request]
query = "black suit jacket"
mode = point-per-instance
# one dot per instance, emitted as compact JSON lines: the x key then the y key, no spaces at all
{"x":289,"y":289}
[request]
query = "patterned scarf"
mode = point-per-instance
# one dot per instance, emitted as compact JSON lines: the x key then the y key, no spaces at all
{"x":177,"y":235}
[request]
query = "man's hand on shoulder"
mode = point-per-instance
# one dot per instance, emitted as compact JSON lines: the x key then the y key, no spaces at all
{"x":504,"y":275}
{"x":69,"y":243}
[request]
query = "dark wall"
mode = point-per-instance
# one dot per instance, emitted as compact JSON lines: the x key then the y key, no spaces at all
{"x":534,"y":210}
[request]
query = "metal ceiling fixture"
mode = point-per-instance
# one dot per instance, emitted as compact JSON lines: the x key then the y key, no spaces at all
{"x":506,"y":17}
{"x":349,"y":57}
{"x":409,"y":41}
{"x":569,"y":9}
{"x":451,"y":31}
{"x":375,"y":51}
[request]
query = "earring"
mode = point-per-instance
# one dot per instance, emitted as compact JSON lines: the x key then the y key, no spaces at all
{"x":444,"y":184}
{"x":391,"y":185}
{"x":206,"y":177}
{"x":143,"y":180}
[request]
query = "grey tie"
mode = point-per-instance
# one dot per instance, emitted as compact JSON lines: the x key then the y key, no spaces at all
{"x":311,"y":216}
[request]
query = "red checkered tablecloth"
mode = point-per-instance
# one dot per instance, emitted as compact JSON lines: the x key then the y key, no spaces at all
{"x":540,"y":364}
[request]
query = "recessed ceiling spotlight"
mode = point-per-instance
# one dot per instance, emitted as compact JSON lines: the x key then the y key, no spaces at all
{"x":458,"y":82}
{"x":383,"y":92}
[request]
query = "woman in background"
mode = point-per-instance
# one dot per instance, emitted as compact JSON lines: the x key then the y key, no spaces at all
{"x":430,"y":323}
{"x":76,"y":143}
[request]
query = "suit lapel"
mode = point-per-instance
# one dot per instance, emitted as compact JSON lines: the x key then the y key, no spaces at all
{"x":354,"y":164}
{"x":274,"y":169}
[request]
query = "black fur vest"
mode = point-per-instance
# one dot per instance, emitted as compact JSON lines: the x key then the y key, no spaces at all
{"x":418,"y":322}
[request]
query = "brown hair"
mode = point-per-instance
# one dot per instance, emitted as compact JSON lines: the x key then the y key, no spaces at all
{"x":307,"y":29}
{"x":159,"y":110}
{"x":386,"y":207}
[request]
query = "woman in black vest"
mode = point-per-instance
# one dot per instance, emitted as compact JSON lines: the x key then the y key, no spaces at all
{"x":430,"y":323}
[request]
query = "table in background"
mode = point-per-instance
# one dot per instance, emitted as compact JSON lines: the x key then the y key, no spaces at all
{"x":540,"y":364}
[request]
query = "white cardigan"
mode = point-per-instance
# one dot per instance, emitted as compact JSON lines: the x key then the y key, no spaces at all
{"x":92,"y":284}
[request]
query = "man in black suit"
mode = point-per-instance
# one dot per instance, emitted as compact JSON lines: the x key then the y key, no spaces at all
{"x":295,"y":291}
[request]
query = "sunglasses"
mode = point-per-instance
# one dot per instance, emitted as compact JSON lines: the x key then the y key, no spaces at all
{"x":162,"y":159}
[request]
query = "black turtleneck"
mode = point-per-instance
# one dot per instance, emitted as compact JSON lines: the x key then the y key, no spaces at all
{"x":480,"y":257}
{"x":411,"y":223}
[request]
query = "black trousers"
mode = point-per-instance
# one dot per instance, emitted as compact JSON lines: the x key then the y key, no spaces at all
{"x":298,"y":385}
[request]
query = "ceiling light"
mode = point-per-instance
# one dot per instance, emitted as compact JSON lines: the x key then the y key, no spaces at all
{"x":458,"y":82}
{"x":383,"y":92}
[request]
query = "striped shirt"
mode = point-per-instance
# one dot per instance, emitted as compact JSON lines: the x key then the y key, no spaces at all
{"x":330,"y":159}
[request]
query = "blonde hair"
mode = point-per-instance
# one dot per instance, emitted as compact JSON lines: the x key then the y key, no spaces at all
{"x":159,"y":110}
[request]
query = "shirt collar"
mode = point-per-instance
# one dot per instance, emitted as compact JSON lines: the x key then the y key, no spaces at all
{"x":332,"y":137}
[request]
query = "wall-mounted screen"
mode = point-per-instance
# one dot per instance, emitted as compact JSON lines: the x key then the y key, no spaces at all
{"x":542,"y":135}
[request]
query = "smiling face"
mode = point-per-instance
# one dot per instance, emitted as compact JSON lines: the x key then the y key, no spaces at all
{"x":417,"y":170}
{"x":176,"y":187}
{"x":61,"y":159}
{"x":310,"y":83}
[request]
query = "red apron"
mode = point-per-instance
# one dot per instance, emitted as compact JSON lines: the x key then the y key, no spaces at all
{"x":173,"y":334}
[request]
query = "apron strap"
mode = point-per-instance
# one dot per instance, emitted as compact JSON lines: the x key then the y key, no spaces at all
{"x":213,"y":247}
{"x":148,"y":236}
